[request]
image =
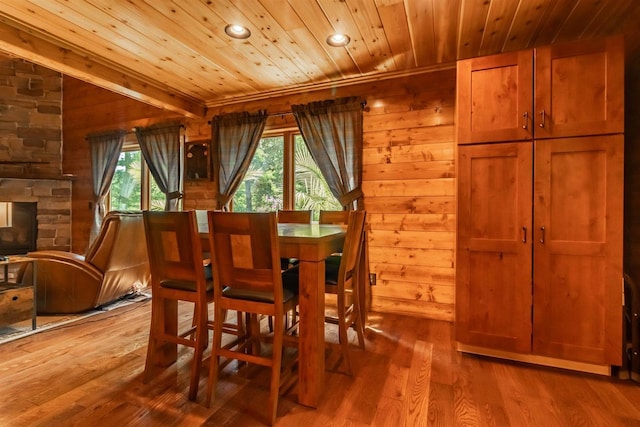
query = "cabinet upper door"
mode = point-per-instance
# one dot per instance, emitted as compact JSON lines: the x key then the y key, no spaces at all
{"x":495,"y":98}
{"x":577,"y":276}
{"x":493,"y":268}
{"x":579,"y":88}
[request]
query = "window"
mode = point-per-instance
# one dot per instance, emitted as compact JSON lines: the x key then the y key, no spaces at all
{"x":133,"y":187}
{"x":262,"y":187}
{"x":283,"y":175}
{"x":311,"y":189}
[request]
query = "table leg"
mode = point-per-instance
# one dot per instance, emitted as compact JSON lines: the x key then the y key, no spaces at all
{"x":34,"y":279}
{"x":311,"y":347}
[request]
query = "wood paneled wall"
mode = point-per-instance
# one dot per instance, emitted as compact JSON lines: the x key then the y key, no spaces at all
{"x":85,"y":109}
{"x":409,"y":189}
{"x":408,"y":175}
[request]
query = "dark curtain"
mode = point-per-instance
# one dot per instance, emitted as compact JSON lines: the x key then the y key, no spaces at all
{"x":104,"y":149}
{"x":332,"y":131}
{"x":234,"y":139}
{"x":160,"y":146}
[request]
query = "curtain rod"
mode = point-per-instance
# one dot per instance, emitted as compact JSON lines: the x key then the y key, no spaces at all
{"x":129,"y":132}
{"x":363,"y":104}
{"x":133,"y":129}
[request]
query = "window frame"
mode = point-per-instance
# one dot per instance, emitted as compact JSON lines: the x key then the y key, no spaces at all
{"x":289,"y":172}
{"x":131,"y":144}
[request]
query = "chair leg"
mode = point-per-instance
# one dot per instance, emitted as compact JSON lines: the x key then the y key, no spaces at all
{"x":286,"y":320}
{"x":242,"y":325}
{"x":358,"y":322}
{"x":200,"y":339}
{"x":253,"y":325}
{"x":150,"y":360}
{"x":343,"y":339}
{"x":153,"y":345}
{"x":215,"y":356}
{"x":359,"y":331}
{"x":346,"y":312}
{"x":276,"y":366}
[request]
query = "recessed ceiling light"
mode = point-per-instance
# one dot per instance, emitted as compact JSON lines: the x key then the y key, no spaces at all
{"x":338,"y":40}
{"x":237,"y":31}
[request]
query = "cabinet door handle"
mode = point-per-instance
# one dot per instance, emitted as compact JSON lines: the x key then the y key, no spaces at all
{"x":524,"y":234}
{"x":542,"y":118}
{"x":525,"y":120}
{"x":542,"y":234}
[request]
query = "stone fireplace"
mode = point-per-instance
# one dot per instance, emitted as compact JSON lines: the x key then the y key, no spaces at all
{"x":52,"y":199}
{"x":20,"y":236}
{"x":31,"y":148}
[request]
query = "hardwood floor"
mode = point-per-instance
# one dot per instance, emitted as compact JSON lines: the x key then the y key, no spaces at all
{"x":89,"y":373}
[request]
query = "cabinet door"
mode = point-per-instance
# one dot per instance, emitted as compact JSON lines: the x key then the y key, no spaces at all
{"x":577,"y":277}
{"x":493,"y":272}
{"x":579,"y":88}
{"x":495,"y":98}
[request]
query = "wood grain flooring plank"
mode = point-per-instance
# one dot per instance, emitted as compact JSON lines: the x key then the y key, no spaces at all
{"x":416,"y":399}
{"x":90,"y":373}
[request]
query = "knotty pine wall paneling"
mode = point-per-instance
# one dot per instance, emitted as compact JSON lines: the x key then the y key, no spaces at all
{"x":409,"y":188}
{"x":85,"y":109}
{"x":408,"y":182}
{"x":408,"y":177}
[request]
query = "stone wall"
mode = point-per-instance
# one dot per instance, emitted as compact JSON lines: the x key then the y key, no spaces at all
{"x":53,"y":199}
{"x":30,"y":120}
{"x":31,"y":148}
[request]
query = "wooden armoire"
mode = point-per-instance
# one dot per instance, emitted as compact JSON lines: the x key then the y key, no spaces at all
{"x":540,"y":205}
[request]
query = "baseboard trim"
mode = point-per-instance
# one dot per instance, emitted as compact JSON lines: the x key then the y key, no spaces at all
{"x":537,"y":360}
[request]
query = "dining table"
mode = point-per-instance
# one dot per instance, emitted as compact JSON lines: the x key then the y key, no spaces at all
{"x":311,"y":244}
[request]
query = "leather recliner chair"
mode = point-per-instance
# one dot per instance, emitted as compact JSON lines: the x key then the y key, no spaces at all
{"x":116,"y":264}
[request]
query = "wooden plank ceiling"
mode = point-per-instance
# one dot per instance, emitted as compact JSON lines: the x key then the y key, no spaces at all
{"x":176,"y":55}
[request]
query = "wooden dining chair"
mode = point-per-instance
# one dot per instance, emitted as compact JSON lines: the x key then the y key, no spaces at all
{"x":177,"y":274}
{"x":247,"y":278}
{"x":337,"y":218}
{"x":342,"y":280}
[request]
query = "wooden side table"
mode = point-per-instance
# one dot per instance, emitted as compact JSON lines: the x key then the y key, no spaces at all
{"x":17,"y":301}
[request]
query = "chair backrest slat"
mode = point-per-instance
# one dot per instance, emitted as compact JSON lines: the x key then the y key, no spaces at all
{"x":245,"y":251}
{"x":334,"y":217}
{"x":352,"y":243}
{"x":294,"y":217}
{"x":175,"y":251}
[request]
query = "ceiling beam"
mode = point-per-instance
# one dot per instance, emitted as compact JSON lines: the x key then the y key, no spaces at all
{"x":21,"y":42}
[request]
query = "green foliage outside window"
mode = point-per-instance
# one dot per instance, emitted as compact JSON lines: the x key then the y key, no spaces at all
{"x":158,"y":199}
{"x":312,"y":191}
{"x":126,"y":184}
{"x":126,"y":187}
{"x":262,"y":187}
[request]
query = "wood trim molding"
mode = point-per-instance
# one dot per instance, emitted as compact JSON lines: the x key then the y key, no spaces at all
{"x":536,"y":359}
{"x":327,"y":85}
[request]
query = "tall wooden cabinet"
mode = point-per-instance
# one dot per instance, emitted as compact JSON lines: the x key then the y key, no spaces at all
{"x":540,"y":204}
{"x":493,"y":269}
